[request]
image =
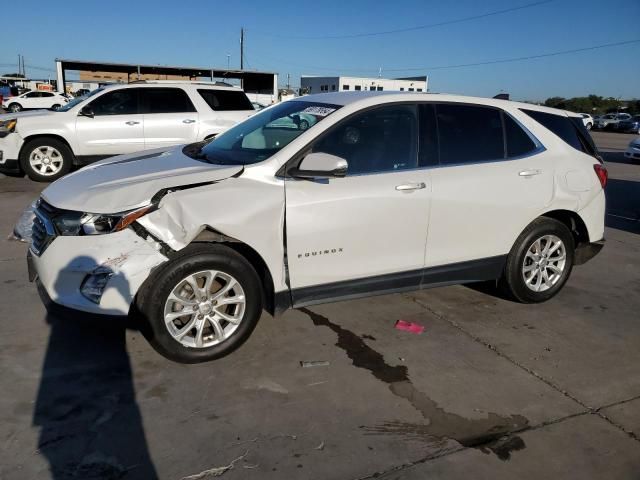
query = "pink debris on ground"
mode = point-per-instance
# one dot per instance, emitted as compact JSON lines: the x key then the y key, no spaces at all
{"x":409,"y":327}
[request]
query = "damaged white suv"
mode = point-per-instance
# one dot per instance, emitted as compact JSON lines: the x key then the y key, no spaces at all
{"x":332,"y":196}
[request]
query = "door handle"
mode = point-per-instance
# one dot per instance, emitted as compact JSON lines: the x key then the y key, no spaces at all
{"x":406,"y":187}
{"x":529,"y":173}
{"x":131,"y":122}
{"x":188,"y":120}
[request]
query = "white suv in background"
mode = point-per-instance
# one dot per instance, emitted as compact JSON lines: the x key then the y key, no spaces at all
{"x":34,"y":99}
{"x":115,"y":120}
{"x":380,"y":193}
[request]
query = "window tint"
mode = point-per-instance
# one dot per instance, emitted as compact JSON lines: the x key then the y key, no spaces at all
{"x":117,"y":102}
{"x":379,"y":140}
{"x":518,"y":141}
{"x":46,"y":94}
{"x":558,"y":124}
{"x":166,"y":100}
{"x":428,"y":143}
{"x":226,"y":100}
{"x":469,"y":134}
{"x":33,"y":95}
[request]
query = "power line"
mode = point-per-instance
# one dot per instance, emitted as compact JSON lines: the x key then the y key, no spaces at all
{"x":408,"y":29}
{"x":461,"y":65}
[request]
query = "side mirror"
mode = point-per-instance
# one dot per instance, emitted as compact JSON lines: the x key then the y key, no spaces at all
{"x":87,"y":112}
{"x":320,"y":165}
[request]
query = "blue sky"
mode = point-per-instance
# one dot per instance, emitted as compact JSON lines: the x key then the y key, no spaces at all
{"x":202,"y":33}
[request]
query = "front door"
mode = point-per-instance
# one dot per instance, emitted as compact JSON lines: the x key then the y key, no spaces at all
{"x":116,"y":126}
{"x":368,"y":229}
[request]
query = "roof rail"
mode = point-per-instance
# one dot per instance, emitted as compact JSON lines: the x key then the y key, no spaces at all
{"x":189,"y":82}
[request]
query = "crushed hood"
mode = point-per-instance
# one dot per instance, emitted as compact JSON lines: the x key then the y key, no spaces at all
{"x":130,"y":181}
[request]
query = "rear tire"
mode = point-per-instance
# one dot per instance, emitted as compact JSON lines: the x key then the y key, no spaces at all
{"x":589,"y":126}
{"x":55,"y":107}
{"x":204,"y":332}
{"x":540,"y":262}
{"x":46,"y":159}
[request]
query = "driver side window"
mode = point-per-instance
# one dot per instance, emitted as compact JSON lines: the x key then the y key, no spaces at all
{"x":117,"y":102}
{"x":383,"y":139}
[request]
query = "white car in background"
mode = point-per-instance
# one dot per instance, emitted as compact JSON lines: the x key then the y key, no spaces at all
{"x":114,"y":120}
{"x":380,"y":193}
{"x":633,"y":151}
{"x":587,"y":120}
{"x":34,"y":99}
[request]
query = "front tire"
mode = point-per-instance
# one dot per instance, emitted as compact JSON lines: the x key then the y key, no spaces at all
{"x":55,"y":107}
{"x":46,"y":159}
{"x":220,"y":294}
{"x":589,"y":126}
{"x":15,"y":107}
{"x":540,"y":262}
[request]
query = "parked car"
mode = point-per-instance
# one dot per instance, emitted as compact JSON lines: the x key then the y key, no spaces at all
{"x":82,"y":92}
{"x":631,"y":125}
{"x":34,"y":99}
{"x":115,"y":120}
{"x":587,"y":120}
{"x":258,"y":106}
{"x":384,"y":193}
{"x":610,"y":120}
{"x":298,"y":121}
{"x":633,"y":151}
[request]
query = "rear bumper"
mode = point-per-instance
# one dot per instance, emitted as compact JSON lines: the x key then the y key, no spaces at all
{"x":587,"y":251}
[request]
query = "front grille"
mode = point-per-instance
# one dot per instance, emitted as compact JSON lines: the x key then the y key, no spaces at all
{"x":43,"y":232}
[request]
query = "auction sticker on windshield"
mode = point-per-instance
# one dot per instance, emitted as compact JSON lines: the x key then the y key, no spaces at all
{"x":319,"y":111}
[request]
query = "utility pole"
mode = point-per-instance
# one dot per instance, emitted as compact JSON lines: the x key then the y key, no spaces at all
{"x":241,"y":48}
{"x":288,"y":83}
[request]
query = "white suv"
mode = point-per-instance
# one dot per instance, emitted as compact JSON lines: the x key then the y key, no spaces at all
{"x":380,"y":193}
{"x":34,"y":99}
{"x":115,"y":120}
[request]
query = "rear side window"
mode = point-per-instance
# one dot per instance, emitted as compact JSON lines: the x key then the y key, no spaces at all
{"x":518,"y":141}
{"x":562,"y":126}
{"x":225,"y":100}
{"x":469,"y":134}
{"x":166,"y":100}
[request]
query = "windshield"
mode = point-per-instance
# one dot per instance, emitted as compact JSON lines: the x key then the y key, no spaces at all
{"x":77,"y":100}
{"x":263,"y":134}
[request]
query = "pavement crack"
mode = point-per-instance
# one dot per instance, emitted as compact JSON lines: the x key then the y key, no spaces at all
{"x":588,"y":409}
{"x":480,"y":433}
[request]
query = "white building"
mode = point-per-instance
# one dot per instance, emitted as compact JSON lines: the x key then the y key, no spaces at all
{"x":313,"y":84}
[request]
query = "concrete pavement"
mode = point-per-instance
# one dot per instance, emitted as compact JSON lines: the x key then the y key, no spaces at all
{"x":491,"y":389}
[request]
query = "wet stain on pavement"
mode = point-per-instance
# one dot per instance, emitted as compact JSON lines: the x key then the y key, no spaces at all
{"x":476,"y":433}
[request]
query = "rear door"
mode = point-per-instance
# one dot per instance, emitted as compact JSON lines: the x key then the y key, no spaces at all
{"x":169,"y":117}
{"x":230,"y":106}
{"x":116,"y":126}
{"x":368,"y":228}
{"x":493,"y":179}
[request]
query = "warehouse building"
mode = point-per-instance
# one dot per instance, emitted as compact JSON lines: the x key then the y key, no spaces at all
{"x":313,"y":84}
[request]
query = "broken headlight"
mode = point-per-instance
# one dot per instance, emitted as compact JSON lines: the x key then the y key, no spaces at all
{"x":79,"y":223}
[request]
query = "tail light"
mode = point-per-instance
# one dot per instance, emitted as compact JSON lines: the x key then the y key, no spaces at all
{"x":602,"y":174}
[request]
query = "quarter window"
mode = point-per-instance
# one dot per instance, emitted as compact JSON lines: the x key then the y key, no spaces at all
{"x":518,"y":141}
{"x":378,"y":140}
{"x":560,"y":125}
{"x":225,"y":100}
{"x":117,"y":102}
{"x":166,"y":100}
{"x":469,"y":134}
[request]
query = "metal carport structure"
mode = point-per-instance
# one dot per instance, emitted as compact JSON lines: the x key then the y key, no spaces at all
{"x":251,"y":81}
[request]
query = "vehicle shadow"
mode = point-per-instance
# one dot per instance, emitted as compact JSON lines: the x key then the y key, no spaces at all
{"x":623,"y":205}
{"x":90,"y":424}
{"x":617,"y":157}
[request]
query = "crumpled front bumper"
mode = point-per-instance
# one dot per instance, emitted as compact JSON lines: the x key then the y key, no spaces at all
{"x":68,"y":260}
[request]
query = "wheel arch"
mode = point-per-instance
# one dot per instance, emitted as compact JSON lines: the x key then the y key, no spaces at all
{"x":36,"y":136}
{"x":211,"y":235}
{"x":573,"y":222}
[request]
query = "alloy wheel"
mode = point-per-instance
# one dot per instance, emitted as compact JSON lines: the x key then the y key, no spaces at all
{"x":544,"y":263}
{"x":204,"y":309}
{"x":46,"y":161}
